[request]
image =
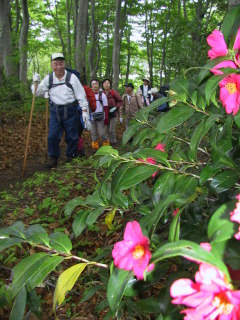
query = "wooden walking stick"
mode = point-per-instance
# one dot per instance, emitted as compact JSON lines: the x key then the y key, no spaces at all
{"x":46,"y":133}
{"x":29,"y":127}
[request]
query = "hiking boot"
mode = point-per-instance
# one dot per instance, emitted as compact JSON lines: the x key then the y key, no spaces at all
{"x":52,"y":163}
{"x":106,"y":143}
{"x":95,"y":145}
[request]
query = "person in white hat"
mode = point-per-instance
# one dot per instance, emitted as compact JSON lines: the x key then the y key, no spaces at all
{"x":155,"y":94}
{"x":143,"y":89}
{"x":65,"y":94}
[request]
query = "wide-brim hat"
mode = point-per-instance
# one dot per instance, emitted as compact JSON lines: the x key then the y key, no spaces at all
{"x":145,"y":78}
{"x":57,"y":56}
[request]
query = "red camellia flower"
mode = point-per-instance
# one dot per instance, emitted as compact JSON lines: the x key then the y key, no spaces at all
{"x":133,"y":252}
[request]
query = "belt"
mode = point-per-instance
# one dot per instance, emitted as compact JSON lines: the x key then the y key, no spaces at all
{"x":65,"y":106}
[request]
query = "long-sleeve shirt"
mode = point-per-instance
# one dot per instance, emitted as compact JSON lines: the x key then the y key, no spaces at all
{"x":62,"y":94}
{"x":131,"y":104}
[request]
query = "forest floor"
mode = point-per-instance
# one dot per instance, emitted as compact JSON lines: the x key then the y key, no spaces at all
{"x":35,"y":199}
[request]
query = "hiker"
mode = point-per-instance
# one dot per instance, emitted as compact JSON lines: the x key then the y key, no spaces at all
{"x":143,"y":91}
{"x":132,"y":102}
{"x":65,"y":94}
{"x":114,"y":102}
{"x":155,"y":94}
{"x":81,"y":125}
{"x":99,"y":118}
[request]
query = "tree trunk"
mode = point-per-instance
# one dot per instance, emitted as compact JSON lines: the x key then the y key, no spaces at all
{"x":233,"y":3}
{"x":69,"y":51}
{"x":128,"y":54}
{"x":3,"y":8}
{"x":116,"y":45}
{"x":9,"y":63}
{"x":92,"y":56}
{"x":23,"y":43}
{"x":81,"y":39}
{"x":60,"y":33}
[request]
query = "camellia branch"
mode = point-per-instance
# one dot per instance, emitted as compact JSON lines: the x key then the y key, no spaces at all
{"x":69,"y":256}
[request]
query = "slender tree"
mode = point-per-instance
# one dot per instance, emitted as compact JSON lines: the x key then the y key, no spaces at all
{"x":81,"y":39}
{"x":116,"y":45}
{"x":23,"y":43}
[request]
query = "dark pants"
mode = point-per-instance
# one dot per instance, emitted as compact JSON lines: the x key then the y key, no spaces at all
{"x":63,"y":118}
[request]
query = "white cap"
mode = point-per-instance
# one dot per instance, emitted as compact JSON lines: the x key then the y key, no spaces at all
{"x":153,"y":90}
{"x":57,"y":55}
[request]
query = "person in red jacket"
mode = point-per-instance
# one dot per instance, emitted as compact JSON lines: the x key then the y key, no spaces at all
{"x":114,"y":103}
{"x":92,"y":105}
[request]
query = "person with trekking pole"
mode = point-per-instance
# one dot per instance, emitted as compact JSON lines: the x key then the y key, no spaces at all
{"x":65,"y":95}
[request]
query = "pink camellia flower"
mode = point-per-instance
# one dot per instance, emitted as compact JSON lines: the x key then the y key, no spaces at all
{"x":133,"y":252}
{"x":230,"y":93}
{"x":160,"y":146}
{"x":235,"y":216}
{"x":224,"y":64}
{"x":217,"y":43}
{"x":210,"y":297}
{"x":175,"y":212}
{"x":206,"y":246}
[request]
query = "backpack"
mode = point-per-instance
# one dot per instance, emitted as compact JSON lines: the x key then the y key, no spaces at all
{"x":68,"y":77}
{"x":90,"y":97}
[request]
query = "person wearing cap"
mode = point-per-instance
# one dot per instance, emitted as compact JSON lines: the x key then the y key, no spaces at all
{"x":155,"y":94}
{"x":143,"y":90}
{"x":132,"y":102}
{"x":65,"y":94}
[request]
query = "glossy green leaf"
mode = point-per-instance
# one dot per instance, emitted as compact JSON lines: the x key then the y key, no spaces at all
{"x":208,"y":172}
{"x":200,"y":131}
{"x":129,"y":132}
{"x":205,"y":72}
{"x":23,"y":271}
{"x":94,"y":215}
{"x":65,"y":283}
{"x":230,"y":22}
{"x":8,"y":242}
{"x":174,"y":229}
{"x":46,"y":265}
{"x":135,"y":175}
{"x":118,"y":176}
{"x":211,"y":86}
{"x":143,"y":135}
{"x":158,"y":155}
{"x":79,"y":222}
{"x":120,"y":200}
{"x":181,"y":87}
{"x":37,"y":234}
{"x":174,"y":118}
{"x":71,"y":205}
{"x":60,"y":242}
{"x":16,"y":229}
{"x":188,"y":249}
{"x":19,"y":305}
{"x":116,"y":286}
{"x":224,"y":181}
{"x":163,"y":186}
{"x":220,"y":227}
{"x":106,"y":150}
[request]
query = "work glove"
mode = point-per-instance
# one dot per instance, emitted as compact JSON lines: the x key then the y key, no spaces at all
{"x":121,"y":120}
{"x":85,"y":117}
{"x":36,"y":77}
{"x":106,"y":120}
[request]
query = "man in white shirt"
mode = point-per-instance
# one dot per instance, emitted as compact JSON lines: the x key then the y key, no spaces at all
{"x":65,"y":94}
{"x":144,"y":88}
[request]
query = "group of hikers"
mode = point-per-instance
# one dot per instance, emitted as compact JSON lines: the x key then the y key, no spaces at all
{"x":75,"y":107}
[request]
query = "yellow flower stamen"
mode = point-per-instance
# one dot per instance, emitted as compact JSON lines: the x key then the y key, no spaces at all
{"x":138,"y":252}
{"x":222,"y":304}
{"x":231,"y":87}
